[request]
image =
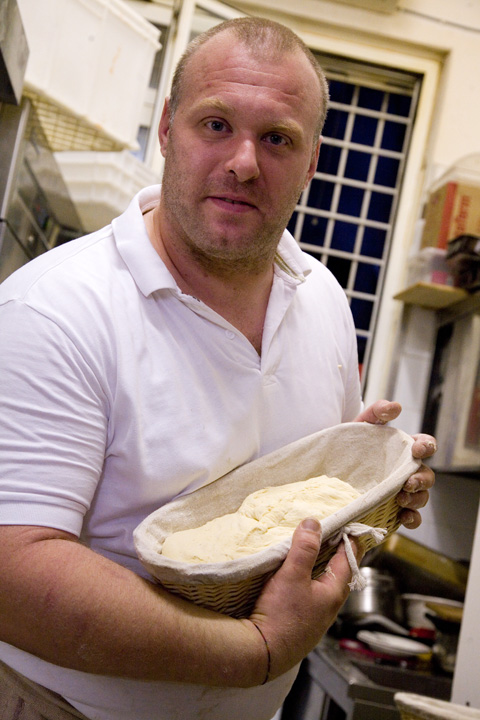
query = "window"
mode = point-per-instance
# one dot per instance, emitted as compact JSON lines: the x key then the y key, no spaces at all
{"x":346,"y":215}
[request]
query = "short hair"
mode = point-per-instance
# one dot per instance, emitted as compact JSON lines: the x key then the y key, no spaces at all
{"x":260,"y":36}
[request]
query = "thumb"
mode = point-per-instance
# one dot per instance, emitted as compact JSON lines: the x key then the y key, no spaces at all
{"x":305,"y":547}
{"x":380,"y":412}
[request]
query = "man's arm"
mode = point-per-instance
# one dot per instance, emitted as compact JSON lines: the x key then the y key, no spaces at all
{"x":72,"y":607}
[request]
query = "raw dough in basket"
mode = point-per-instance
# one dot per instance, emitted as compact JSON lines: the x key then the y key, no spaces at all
{"x":265,"y":517}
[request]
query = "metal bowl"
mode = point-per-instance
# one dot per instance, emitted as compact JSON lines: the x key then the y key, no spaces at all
{"x":379,"y":597}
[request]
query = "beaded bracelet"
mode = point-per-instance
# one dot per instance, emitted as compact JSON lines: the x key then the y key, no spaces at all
{"x":269,"y":658}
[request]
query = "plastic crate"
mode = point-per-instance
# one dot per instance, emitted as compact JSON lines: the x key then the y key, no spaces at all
{"x":102,"y":184}
{"x":88,"y":71}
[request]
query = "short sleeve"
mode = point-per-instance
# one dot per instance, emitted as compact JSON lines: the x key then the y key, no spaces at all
{"x":53,"y":423}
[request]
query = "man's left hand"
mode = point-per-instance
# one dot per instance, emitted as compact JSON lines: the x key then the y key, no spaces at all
{"x":414,"y":494}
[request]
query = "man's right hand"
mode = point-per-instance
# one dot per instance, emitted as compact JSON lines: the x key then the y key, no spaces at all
{"x":293,"y":611}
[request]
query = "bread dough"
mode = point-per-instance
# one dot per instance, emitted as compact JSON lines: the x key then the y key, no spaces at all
{"x":264,"y":518}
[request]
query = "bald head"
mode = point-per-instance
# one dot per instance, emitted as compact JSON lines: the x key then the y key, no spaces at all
{"x":265,"y":39}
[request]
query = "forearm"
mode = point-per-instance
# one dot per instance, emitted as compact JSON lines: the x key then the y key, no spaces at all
{"x":72,"y":607}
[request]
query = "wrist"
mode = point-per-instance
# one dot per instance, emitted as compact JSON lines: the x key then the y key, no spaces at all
{"x":262,"y":653}
{"x":267,"y":648}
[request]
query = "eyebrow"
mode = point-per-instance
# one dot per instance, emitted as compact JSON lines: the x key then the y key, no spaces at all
{"x":215,"y":104}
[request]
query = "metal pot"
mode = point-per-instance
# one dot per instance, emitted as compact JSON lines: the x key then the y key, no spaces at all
{"x":378,"y":598}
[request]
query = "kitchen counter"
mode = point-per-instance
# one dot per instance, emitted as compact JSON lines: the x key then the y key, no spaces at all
{"x":336,"y":684}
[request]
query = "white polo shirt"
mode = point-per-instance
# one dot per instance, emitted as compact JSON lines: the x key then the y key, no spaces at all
{"x":119,"y":393}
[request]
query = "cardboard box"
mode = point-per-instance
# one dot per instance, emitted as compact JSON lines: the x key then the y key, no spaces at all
{"x":452,"y":210}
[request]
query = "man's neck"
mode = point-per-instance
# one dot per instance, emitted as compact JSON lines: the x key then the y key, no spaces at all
{"x":240,"y":297}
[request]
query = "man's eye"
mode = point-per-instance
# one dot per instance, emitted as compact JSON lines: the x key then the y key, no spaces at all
{"x":275,"y":139}
{"x":216,"y":125}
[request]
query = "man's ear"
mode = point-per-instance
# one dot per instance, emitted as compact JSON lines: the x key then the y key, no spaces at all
{"x":164,"y":126}
{"x":313,"y":163}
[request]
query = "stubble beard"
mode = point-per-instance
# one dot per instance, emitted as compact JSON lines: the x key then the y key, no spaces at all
{"x":219,"y":255}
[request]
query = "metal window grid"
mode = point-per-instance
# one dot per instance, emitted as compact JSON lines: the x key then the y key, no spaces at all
{"x":332,"y":215}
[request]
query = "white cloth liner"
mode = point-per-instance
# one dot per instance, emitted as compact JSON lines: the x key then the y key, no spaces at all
{"x":375,"y":459}
{"x":427,"y":708}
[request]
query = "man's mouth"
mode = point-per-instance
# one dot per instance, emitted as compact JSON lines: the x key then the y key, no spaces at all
{"x":233,"y":201}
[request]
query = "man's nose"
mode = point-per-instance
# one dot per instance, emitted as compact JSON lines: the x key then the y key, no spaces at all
{"x":243,"y":160}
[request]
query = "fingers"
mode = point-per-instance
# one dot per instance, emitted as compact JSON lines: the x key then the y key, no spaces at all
{"x":410,"y":519}
{"x":424,"y":446}
{"x":338,"y":574}
{"x":381,"y":412}
{"x":411,"y":502}
{"x":305,"y":547}
{"x":293,"y":611}
{"x":414,"y":495}
{"x":422,"y":480}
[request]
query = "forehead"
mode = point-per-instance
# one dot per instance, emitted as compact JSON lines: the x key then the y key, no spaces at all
{"x":225,"y":65}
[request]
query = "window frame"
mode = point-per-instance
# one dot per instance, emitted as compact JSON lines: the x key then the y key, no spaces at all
{"x":428,"y":66}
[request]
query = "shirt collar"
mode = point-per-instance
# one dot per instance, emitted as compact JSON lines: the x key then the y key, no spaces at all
{"x":291,"y":259}
{"x":131,"y":237}
{"x":148,"y":269}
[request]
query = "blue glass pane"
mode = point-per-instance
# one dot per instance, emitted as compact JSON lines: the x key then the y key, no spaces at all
{"x":399,"y":104}
{"x":320,"y":194}
{"x":364,"y":130}
{"x":387,"y":171}
{"x":393,"y":136}
{"x":361,"y":347}
{"x":329,"y":159}
{"x":313,"y":231}
{"x":350,"y":202}
{"x":357,"y":165}
{"x":380,"y":207}
{"x":362,"y":313}
{"x":344,"y":236}
{"x":366,"y":278}
{"x":335,"y":124}
{"x":373,"y":242}
{"x":341,"y":92}
{"x":370,"y":98}
{"x":340,"y":267}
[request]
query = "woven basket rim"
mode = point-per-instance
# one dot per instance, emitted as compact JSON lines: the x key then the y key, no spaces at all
{"x":427,"y":708}
{"x":267,"y":561}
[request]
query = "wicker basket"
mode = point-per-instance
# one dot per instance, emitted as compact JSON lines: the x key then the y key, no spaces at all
{"x":419,"y":707}
{"x":376,"y":460}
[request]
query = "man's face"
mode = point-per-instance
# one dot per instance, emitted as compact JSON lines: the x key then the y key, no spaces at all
{"x":238,"y":154}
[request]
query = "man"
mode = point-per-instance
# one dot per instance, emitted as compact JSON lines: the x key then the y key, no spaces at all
{"x":152,"y":357}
